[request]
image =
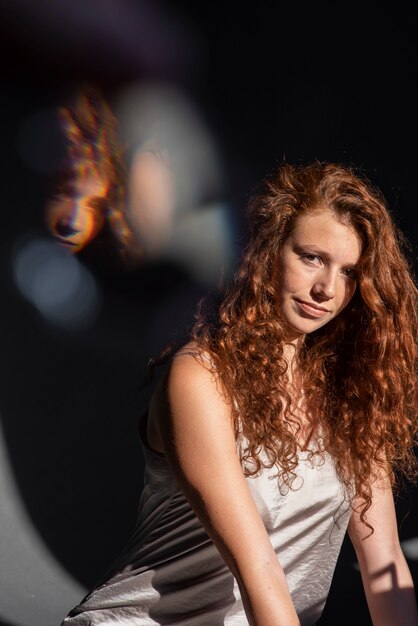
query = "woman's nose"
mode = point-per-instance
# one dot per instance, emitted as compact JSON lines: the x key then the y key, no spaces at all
{"x":64,"y":228}
{"x":324,"y":286}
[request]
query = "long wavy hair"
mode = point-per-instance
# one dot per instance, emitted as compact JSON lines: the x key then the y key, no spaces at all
{"x":90,"y":130}
{"x":358,"y":371}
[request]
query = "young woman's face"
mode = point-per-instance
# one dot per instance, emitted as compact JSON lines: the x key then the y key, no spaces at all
{"x":73,"y":221}
{"x":318,"y":274}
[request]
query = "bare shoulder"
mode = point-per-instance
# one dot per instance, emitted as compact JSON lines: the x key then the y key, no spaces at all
{"x":190,"y":367}
{"x":192,"y":370}
{"x":189,"y":392}
{"x":193,"y":386}
{"x":195,"y":353}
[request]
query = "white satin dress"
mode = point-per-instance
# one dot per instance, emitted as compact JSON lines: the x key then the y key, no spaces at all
{"x":170,"y":573}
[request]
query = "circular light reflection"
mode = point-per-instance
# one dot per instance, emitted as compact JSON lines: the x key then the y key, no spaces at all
{"x":63,"y":291}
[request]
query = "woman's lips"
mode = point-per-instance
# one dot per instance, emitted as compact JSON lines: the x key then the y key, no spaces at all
{"x":65,"y":242}
{"x":312,"y":309}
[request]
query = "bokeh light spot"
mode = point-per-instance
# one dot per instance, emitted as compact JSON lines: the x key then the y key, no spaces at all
{"x":56,"y":283}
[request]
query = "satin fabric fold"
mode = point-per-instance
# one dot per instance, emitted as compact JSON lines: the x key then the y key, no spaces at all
{"x":170,"y":573}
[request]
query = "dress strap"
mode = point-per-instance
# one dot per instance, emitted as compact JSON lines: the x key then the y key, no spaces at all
{"x":194,"y":353}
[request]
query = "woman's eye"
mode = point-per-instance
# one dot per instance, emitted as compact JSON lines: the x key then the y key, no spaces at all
{"x":310,"y":259}
{"x":350,"y":273}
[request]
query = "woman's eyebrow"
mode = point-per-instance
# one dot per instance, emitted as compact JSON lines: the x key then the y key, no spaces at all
{"x":308,"y":247}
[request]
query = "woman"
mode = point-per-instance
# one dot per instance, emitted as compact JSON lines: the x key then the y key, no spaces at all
{"x":282,"y":423}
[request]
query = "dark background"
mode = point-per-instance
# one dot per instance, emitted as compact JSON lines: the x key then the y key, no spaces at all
{"x":273,"y":81}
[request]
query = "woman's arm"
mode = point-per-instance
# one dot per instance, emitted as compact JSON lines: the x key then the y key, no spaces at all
{"x":385,"y":573}
{"x":195,"y":426}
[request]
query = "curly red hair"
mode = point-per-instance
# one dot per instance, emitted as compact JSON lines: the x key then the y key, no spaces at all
{"x":90,"y":130}
{"x":358,"y":371}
